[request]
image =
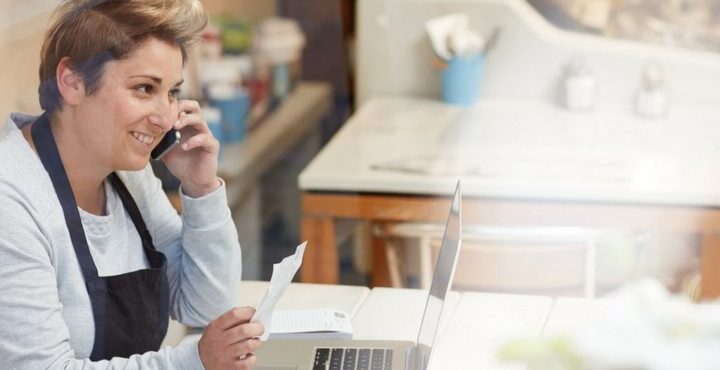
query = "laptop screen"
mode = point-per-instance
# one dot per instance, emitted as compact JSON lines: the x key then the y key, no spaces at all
{"x":441,"y":282}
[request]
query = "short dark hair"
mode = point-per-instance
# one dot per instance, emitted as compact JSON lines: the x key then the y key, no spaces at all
{"x":93,"y":32}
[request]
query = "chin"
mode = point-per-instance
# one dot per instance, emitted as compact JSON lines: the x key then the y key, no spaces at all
{"x":134,"y":164}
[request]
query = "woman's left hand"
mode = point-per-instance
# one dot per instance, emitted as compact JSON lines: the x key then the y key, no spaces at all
{"x":195,"y":161}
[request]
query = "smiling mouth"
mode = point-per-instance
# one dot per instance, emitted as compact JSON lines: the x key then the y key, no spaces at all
{"x":142,"y":138}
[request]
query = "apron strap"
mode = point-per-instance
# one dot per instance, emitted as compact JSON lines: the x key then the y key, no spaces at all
{"x":50,"y":157}
{"x":134,"y":212}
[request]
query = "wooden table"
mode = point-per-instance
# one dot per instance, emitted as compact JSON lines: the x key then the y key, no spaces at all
{"x":634,"y":176}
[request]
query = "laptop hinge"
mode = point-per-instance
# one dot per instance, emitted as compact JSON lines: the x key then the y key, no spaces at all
{"x":410,"y":355}
{"x":416,"y":358}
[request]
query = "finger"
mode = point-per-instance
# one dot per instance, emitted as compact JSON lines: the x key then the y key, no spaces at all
{"x":204,"y":141}
{"x":234,"y":317}
{"x":244,"y":347}
{"x":189,"y":106}
{"x":247,"y":362}
{"x":243,"y":332}
{"x":193,"y":120}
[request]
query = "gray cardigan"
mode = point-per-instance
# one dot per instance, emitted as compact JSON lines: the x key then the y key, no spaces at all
{"x":45,"y":313}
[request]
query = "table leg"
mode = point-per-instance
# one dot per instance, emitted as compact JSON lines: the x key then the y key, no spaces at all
{"x":380,"y":270}
{"x":321,"y":263}
{"x":710,"y":265}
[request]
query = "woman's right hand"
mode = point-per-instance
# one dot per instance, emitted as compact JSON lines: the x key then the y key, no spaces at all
{"x":228,"y":342}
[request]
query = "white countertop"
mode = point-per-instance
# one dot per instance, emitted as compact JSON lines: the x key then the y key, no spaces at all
{"x":570,"y":315}
{"x":524,"y":150}
{"x":482,"y":323}
{"x":395,"y":314}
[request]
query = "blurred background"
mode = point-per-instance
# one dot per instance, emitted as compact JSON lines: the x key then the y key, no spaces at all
{"x":584,"y":132}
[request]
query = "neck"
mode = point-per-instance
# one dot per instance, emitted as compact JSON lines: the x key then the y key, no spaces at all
{"x":83,"y":168}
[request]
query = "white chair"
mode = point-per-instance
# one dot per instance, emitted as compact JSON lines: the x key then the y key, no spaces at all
{"x":528,"y":259}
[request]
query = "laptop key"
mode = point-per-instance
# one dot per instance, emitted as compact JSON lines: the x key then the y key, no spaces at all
{"x":388,"y":359}
{"x":364,"y":359}
{"x":321,"y":357}
{"x":350,"y":359}
{"x":336,"y":356}
{"x":376,"y":362}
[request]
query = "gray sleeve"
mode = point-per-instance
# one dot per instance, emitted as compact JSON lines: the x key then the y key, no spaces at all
{"x":203,"y":252}
{"x":33,"y":333}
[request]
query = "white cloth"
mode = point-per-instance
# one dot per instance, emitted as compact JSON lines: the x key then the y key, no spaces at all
{"x":45,"y":313}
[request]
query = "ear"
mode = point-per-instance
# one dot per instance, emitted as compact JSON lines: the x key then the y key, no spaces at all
{"x":70,"y":83}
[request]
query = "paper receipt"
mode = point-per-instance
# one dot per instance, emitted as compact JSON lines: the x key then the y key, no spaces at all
{"x":282,"y":276}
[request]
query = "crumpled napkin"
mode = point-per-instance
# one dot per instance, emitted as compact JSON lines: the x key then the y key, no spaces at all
{"x":451,"y":37}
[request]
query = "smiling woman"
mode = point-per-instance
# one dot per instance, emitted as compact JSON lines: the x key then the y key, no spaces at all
{"x":125,"y":115}
{"x":93,"y":258}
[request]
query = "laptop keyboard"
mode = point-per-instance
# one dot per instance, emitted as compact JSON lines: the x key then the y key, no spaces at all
{"x":353,"y":359}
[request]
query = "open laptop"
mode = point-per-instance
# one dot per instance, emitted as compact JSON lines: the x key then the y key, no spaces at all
{"x":298,"y":354}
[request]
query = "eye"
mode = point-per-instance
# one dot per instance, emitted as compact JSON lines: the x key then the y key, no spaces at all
{"x":144,"y":88}
{"x":174,"y":93}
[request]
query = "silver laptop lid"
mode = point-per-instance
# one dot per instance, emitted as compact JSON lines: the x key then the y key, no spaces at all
{"x":441,"y":282}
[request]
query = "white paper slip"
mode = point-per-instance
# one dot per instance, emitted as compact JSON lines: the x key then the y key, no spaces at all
{"x":311,"y":324}
{"x":281,"y":278}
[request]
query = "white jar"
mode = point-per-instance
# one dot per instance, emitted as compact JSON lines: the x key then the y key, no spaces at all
{"x":580,"y":91}
{"x":651,"y":100}
{"x":651,"y":103}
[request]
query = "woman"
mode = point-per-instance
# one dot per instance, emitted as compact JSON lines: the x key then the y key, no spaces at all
{"x":93,"y":258}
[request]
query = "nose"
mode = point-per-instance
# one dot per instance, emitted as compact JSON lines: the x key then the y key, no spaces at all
{"x":164,"y":115}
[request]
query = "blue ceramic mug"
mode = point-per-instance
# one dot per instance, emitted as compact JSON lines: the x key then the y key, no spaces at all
{"x":234,"y":108}
{"x":462,"y":80}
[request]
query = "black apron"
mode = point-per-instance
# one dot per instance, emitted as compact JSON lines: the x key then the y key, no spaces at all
{"x":130,"y":310}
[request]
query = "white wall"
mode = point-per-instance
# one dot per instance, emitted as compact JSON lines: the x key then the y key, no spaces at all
{"x":19,"y":62}
{"x":395,"y":55}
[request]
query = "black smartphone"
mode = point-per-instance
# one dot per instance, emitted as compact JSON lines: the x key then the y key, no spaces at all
{"x":168,"y":141}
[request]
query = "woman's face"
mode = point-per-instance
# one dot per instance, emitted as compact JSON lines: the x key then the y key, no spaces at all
{"x":135,"y":105}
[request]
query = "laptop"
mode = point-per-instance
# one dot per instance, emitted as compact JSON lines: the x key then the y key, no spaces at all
{"x":299,"y":354}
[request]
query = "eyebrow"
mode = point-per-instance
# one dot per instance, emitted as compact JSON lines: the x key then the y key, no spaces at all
{"x":157,"y":80}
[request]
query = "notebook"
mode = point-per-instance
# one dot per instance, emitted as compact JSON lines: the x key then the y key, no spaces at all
{"x":310,"y":324}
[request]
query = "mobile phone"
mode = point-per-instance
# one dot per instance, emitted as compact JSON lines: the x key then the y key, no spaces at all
{"x":168,"y":141}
